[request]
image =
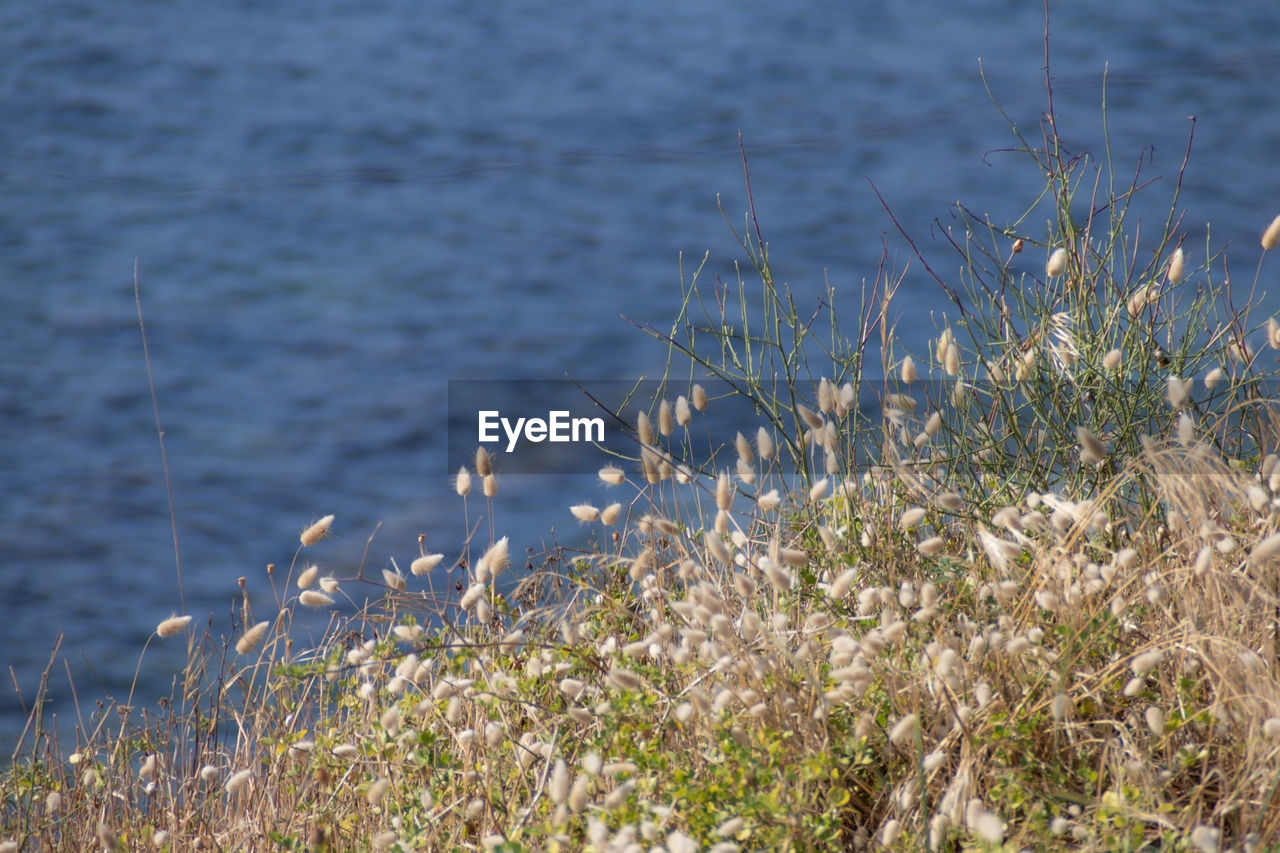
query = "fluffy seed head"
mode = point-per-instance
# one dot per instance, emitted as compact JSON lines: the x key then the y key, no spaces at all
{"x":1177,"y":266}
{"x":1205,"y":838}
{"x":394,"y":580}
{"x":251,"y":638}
{"x":809,"y":416}
{"x":484,"y":465}
{"x":611,"y":475}
{"x":1111,"y":360}
{"x":497,"y":557}
{"x":1155,"y":719}
{"x":645,"y":429}
{"x":819,"y":490}
{"x":987,"y":826}
{"x":724,"y":491}
{"x":910,"y":518}
{"x":585,"y":512}
{"x":699,"y":398}
{"x":308,"y":577}
{"x":425,"y":563}
{"x":624,"y":678}
{"x":377,"y":791}
{"x":609,"y":515}
{"x":1092,"y":450}
{"x":1144,"y":663}
{"x":317,"y":531}
{"x":490,"y":485}
{"x":764,"y":443}
{"x":579,"y":793}
{"x":1271,"y":237}
{"x":462,"y":483}
{"x":172,"y":625}
{"x":931,"y":546}
{"x":1057,"y":263}
{"x":666,"y":425}
{"x":904,"y":729}
{"x":683,"y":415}
{"x":238,"y":780}
{"x":909,"y":372}
{"x":312,"y":598}
{"x":1265,"y":551}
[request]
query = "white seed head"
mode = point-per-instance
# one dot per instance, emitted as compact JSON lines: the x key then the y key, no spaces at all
{"x":585,"y":512}
{"x":909,"y":372}
{"x":699,"y":396}
{"x":317,"y":531}
{"x":1057,"y":263}
{"x":377,"y":791}
{"x":312,"y":598}
{"x":462,"y":483}
{"x":904,"y":730}
{"x":484,"y":465}
{"x":764,"y":443}
{"x":1177,"y":266}
{"x":931,"y":546}
{"x":238,"y":780}
{"x":1271,"y":237}
{"x":497,"y":557}
{"x":666,"y":423}
{"x":425,"y":563}
{"x":1112,"y":359}
{"x":172,"y":625}
{"x":251,"y":638}
{"x":308,"y":577}
{"x":724,"y":491}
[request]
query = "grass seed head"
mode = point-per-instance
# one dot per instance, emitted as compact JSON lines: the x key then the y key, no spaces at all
{"x":317,"y":531}
{"x":904,"y":730}
{"x":1271,"y":236}
{"x":251,"y":638}
{"x":484,"y":464}
{"x":699,"y":395}
{"x":1177,"y":266}
{"x":238,"y":780}
{"x":172,"y":625}
{"x":462,"y":483}
{"x":666,"y":424}
{"x":585,"y":513}
{"x":308,"y":577}
{"x":425,"y":563}
{"x":312,"y":598}
{"x":1057,"y":263}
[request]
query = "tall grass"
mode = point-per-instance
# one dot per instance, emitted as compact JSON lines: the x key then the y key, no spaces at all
{"x":1028,"y":602}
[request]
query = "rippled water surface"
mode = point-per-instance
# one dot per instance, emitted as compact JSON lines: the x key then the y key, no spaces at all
{"x":335,"y":208}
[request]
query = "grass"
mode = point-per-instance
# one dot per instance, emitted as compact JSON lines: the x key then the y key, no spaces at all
{"x":1029,"y":604}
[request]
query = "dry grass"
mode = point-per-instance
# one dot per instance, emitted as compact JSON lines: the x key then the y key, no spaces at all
{"x":1029,"y":607}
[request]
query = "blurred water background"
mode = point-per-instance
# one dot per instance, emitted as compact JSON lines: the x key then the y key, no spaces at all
{"x":337,"y":207}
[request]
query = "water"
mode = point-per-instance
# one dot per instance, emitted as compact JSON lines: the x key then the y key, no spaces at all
{"x":335,"y":209}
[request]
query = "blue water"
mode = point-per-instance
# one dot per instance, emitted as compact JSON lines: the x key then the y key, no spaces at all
{"x":336,"y":207}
